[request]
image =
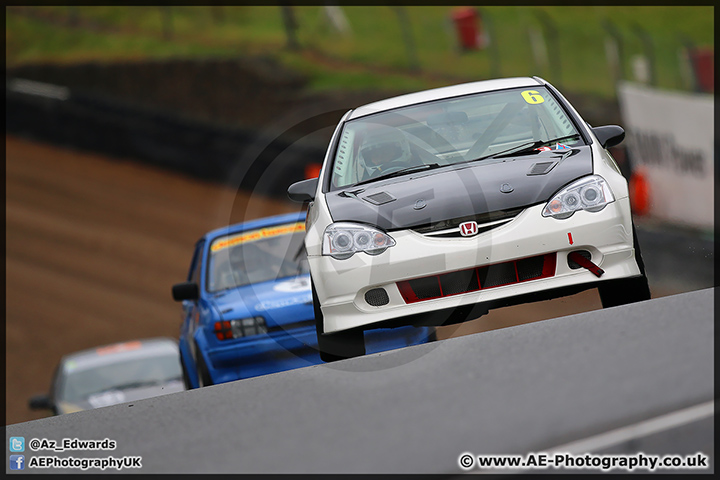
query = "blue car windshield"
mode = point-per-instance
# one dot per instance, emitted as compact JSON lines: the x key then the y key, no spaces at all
{"x":256,"y":256}
{"x":448,"y":132}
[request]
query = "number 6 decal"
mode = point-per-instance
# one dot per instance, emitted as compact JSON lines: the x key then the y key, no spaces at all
{"x":532,"y":97}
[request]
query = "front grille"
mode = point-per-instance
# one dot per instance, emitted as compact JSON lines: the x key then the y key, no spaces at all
{"x":496,"y":275}
{"x":527,"y":268}
{"x":458,"y":282}
{"x":451,"y":227}
{"x":478,"y":278}
{"x":423,"y":288}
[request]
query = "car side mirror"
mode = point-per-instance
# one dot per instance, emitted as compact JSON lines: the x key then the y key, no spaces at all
{"x":609,"y":135}
{"x":41,"y":402}
{"x":185,"y":291}
{"x":303,"y":191}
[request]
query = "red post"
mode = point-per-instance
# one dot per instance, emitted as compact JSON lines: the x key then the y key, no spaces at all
{"x":469,"y":27}
{"x":703,"y":62}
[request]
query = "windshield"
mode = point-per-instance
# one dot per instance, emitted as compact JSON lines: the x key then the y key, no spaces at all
{"x":83,"y":382}
{"x":448,"y":132}
{"x":257,"y":256}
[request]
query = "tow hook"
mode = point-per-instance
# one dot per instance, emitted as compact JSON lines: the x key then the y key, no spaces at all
{"x":585,"y":263}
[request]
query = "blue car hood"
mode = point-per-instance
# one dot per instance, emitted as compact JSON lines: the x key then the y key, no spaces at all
{"x":280,"y":302}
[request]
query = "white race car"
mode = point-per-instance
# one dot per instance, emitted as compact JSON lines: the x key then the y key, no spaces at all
{"x":432,"y":208}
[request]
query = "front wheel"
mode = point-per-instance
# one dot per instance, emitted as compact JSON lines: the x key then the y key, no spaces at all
{"x":336,"y":346}
{"x":626,"y":290}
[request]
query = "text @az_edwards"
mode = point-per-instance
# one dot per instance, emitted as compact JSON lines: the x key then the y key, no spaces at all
{"x":18,"y":460}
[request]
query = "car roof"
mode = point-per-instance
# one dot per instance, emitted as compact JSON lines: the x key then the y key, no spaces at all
{"x":112,"y":353}
{"x":443,"y":92}
{"x":256,"y":223}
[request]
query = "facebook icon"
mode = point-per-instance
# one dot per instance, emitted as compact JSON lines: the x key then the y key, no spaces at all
{"x":17,"y":462}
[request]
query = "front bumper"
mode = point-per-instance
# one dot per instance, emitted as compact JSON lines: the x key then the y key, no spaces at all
{"x":341,"y":284}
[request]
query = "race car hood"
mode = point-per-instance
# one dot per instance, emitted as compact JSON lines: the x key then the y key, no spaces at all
{"x":282,"y":302}
{"x":467,"y":189}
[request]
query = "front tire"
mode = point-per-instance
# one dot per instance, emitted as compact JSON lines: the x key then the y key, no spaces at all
{"x":185,"y":375}
{"x":203,"y":374}
{"x":336,"y":346}
{"x":626,"y":290}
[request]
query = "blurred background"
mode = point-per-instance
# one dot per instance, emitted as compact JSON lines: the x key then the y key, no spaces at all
{"x":131,"y":131}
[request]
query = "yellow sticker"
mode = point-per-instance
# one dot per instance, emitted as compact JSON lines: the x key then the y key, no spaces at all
{"x":532,"y":97}
{"x":254,"y":235}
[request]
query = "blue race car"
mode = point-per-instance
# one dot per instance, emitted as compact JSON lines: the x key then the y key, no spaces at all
{"x":248,"y":308}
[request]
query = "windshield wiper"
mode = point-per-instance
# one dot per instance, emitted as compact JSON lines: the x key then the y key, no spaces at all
{"x":416,"y":168}
{"x":531,"y":148}
{"x":510,"y":151}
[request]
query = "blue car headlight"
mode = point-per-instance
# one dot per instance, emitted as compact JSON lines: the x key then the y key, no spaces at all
{"x":590,"y":193}
{"x":343,"y":239}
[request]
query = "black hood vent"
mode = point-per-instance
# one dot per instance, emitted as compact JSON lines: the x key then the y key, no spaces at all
{"x":379,"y":198}
{"x":541,"y":168}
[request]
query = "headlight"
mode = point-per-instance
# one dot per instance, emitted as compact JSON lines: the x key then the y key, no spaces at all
{"x":589,"y":193}
{"x":341,"y":240}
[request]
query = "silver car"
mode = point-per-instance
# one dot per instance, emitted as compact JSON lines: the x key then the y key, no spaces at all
{"x":112,"y":374}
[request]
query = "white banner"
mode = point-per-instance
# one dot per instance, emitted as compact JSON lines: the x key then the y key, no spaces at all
{"x":670,"y":137}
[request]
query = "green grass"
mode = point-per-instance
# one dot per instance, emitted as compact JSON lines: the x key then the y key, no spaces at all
{"x":375,"y":54}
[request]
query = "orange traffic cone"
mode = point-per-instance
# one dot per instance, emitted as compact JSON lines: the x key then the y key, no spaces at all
{"x":639,"y":192}
{"x":312,"y":170}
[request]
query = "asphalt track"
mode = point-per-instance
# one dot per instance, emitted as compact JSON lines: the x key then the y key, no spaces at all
{"x":527,"y":388}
